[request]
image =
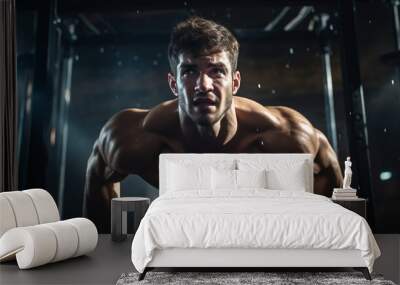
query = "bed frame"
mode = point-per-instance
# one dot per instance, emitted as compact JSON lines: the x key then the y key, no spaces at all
{"x":246,"y":258}
{"x":242,"y":259}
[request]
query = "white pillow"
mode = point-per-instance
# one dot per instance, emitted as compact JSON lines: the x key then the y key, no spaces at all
{"x":251,"y":178}
{"x":181,"y":178}
{"x":291,"y":179}
{"x":281,"y":174}
{"x":235,"y":179}
{"x":223,"y":179}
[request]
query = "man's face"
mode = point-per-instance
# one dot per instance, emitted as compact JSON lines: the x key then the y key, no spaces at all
{"x":205,"y":86}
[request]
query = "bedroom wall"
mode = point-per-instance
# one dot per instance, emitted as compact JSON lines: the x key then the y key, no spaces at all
{"x":119,"y":61}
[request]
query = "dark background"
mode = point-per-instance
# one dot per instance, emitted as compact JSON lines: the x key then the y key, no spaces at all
{"x":107,"y":58}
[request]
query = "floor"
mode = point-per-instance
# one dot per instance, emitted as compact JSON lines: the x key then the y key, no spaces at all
{"x":389,"y":263}
{"x":110,"y":260}
{"x":103,"y":266}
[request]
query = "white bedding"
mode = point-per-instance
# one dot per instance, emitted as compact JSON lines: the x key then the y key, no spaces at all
{"x":251,"y":218}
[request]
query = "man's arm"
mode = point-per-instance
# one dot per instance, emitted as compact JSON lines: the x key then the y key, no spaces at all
{"x":307,"y":139}
{"x":123,"y":148}
{"x":327,"y":173}
{"x":100,"y":187}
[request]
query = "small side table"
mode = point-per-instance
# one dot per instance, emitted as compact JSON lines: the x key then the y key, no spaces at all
{"x":119,"y":209}
{"x":358,"y":205}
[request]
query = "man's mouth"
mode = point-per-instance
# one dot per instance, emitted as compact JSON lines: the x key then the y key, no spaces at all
{"x":204,"y":101}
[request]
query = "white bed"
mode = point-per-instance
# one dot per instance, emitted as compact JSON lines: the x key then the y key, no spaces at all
{"x":247,"y":210}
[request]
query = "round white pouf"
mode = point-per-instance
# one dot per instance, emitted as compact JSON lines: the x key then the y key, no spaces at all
{"x":40,"y":244}
{"x":23,"y":208}
{"x":33,"y":246}
{"x":7,"y":219}
{"x":45,"y":206}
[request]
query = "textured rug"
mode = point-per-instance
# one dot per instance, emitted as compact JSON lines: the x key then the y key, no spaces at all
{"x":244,"y":278}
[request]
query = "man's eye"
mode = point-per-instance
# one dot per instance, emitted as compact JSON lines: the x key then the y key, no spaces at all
{"x":188,"y":71}
{"x":218,"y":71}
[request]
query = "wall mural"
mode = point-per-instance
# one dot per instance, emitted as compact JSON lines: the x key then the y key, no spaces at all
{"x":129,"y":85}
{"x":208,"y":116}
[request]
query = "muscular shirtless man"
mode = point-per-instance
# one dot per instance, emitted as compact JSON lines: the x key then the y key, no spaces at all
{"x":205,"y":117}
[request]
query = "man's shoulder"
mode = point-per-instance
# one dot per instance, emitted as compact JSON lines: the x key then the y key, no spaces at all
{"x":163,"y":118}
{"x":143,"y":119}
{"x":125,"y":127}
{"x":127,"y":134}
{"x":121,"y":127}
{"x":127,"y":117}
{"x":252,"y":113}
{"x":277,"y":116}
{"x":276,"y":122}
{"x":294,"y":123}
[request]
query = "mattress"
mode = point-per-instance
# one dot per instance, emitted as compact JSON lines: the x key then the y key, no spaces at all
{"x":251,"y":219}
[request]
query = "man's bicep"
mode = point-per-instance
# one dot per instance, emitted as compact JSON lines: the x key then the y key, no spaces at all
{"x":99,"y":172}
{"x":100,"y":186}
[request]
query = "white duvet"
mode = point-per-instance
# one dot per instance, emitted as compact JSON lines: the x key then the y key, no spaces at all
{"x":253,"y":218}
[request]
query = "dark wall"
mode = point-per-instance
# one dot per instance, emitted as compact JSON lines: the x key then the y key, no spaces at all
{"x":118,"y":60}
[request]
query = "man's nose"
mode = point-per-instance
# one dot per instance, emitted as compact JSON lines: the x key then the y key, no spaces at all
{"x":203,"y":83}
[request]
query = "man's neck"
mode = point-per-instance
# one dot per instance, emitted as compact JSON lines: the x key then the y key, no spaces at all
{"x":208,"y":138}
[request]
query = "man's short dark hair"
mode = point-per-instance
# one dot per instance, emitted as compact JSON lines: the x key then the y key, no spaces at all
{"x":199,"y":36}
